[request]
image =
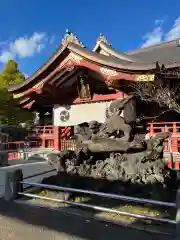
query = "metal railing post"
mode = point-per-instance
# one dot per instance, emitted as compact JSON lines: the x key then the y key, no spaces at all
{"x":13,"y":184}
{"x":178,"y":215}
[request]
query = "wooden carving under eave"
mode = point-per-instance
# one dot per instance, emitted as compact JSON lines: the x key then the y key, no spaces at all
{"x":70,"y":60}
{"x":108,"y":72}
{"x":29,"y":105}
{"x":36,"y":88}
{"x":83,"y":87}
{"x":145,"y":77}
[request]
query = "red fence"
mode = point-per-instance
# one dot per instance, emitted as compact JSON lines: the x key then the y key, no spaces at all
{"x":56,"y":138}
{"x":46,"y":136}
{"x":157,"y":127}
{"x":172,"y":145}
{"x":173,"y":127}
{"x":42,"y":136}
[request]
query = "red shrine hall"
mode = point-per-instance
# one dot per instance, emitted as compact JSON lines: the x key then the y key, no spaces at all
{"x":75,"y":85}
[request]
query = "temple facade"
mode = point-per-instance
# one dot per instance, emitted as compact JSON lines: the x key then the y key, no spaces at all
{"x":75,"y":84}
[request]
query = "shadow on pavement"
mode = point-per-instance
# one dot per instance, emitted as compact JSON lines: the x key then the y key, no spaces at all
{"x":73,"y":225}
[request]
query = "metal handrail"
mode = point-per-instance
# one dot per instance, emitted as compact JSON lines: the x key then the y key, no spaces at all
{"x":103,"y":209}
{"x":39,"y":174}
{"x":16,"y":189}
{"x":101,"y":194}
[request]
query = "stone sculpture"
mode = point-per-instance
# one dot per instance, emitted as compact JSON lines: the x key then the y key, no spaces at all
{"x":116,"y":123}
{"x":114,"y":152}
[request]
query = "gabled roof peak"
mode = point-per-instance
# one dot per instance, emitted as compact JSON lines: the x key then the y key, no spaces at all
{"x":103,"y":38}
{"x":71,"y":37}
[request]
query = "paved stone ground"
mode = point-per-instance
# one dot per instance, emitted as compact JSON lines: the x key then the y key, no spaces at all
{"x":19,"y":222}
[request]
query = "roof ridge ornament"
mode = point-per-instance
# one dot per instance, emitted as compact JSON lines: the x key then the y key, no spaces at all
{"x":70,"y":37}
{"x":103,"y":38}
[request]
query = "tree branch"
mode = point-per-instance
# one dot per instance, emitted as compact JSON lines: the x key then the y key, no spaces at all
{"x":159,"y":93}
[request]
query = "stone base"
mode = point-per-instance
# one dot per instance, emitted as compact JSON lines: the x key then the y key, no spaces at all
{"x":3,"y":159}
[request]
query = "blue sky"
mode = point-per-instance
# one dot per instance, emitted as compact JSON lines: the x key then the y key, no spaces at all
{"x":32,"y":30}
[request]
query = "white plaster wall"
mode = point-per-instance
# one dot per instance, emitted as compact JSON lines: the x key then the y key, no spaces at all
{"x":79,"y":113}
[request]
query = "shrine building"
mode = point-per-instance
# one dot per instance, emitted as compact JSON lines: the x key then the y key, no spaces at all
{"x":75,"y":84}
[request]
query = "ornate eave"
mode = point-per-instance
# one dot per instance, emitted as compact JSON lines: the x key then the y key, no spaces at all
{"x":70,"y":37}
{"x":73,"y":54}
{"x":101,"y":39}
{"x":163,"y":72}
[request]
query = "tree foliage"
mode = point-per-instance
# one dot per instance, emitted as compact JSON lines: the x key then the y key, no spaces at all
{"x":10,"y":113}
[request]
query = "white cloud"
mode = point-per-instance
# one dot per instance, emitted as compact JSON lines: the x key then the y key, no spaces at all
{"x":153,"y":37}
{"x":5,"y":56}
{"x":26,"y":75}
{"x":159,"y":22}
{"x":26,"y":47}
{"x":23,"y":47}
{"x":52,"y":39}
{"x":174,"y":33}
{"x":158,"y":35}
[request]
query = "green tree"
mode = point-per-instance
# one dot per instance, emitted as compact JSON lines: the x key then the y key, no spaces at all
{"x":11,"y":74}
{"x":10,"y":113}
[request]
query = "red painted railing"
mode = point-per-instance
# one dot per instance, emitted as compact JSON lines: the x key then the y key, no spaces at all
{"x":157,"y":127}
{"x":172,"y":145}
{"x":47,"y":136}
{"x":20,"y":145}
{"x":42,"y":136}
{"x":57,"y":138}
{"x":173,"y":127}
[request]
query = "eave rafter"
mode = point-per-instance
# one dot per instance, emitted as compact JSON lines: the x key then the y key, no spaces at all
{"x":72,"y":56}
{"x":68,"y":67}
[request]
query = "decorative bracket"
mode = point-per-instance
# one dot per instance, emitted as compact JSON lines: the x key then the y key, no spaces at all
{"x":70,"y":37}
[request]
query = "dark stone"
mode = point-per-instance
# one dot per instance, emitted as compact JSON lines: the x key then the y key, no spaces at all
{"x":13,"y":185}
{"x":129,"y":106}
{"x":113,"y":145}
{"x":4,"y":159}
{"x":113,"y":152}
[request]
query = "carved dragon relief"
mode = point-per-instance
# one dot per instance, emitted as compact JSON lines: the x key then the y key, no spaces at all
{"x":36,"y":88}
{"x":108,"y":72}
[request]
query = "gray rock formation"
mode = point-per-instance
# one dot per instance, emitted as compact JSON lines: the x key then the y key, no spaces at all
{"x":113,"y":152}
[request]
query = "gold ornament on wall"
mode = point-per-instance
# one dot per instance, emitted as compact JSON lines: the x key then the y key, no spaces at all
{"x":83,"y":87}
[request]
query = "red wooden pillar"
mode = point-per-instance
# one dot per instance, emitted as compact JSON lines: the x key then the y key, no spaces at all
{"x":174,"y":144}
{"x":43,"y":140}
{"x":43,"y":136}
{"x":57,"y":138}
{"x":151,"y":129}
{"x":174,"y":128}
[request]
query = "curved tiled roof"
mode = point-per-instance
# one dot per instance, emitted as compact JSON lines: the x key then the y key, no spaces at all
{"x":164,"y":53}
{"x":139,"y":60}
{"x":41,"y":69}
